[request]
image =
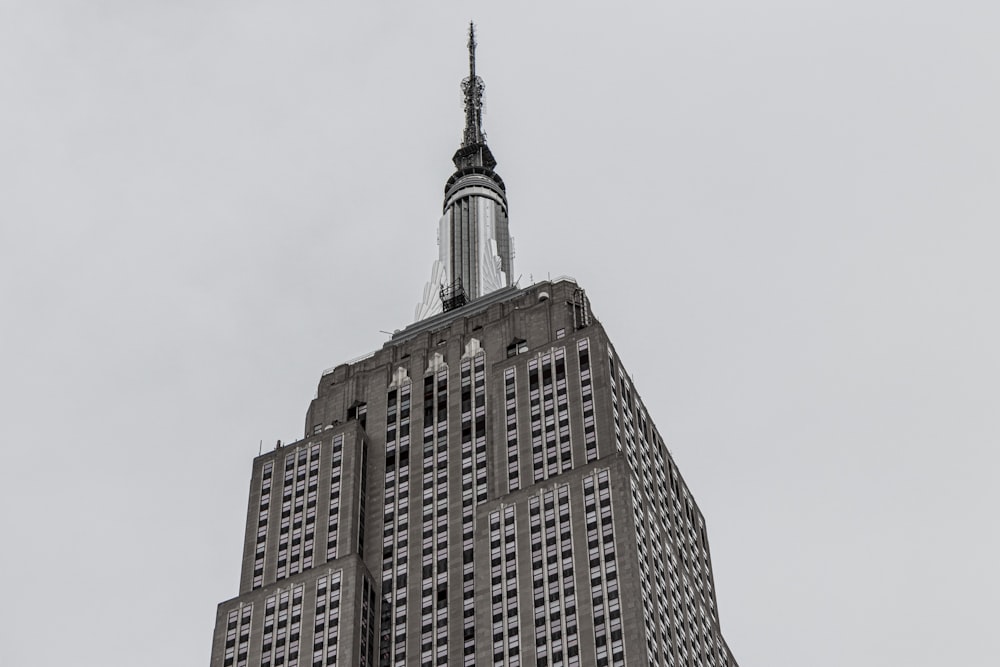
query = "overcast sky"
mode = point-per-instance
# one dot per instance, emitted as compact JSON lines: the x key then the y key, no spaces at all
{"x":785,"y":214}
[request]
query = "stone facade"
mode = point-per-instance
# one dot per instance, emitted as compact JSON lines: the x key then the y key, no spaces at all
{"x":488,"y":489}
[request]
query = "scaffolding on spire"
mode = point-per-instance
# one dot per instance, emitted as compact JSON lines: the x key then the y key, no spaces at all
{"x":472,"y":87}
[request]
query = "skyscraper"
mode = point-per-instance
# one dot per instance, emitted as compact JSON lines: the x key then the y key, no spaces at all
{"x":487,"y":488}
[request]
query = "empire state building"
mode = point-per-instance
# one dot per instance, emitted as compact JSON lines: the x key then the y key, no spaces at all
{"x":486,"y":488}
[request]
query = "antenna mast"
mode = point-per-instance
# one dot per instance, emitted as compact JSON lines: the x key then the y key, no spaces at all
{"x":473,"y":87}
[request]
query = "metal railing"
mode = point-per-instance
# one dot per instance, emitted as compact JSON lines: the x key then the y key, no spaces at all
{"x":350,"y":362}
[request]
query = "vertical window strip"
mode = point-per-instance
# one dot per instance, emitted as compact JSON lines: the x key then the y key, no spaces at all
{"x":297,"y":530}
{"x":434,"y":526}
{"x":402,"y":512}
{"x":503,"y":588}
{"x":638,"y":509}
{"x":510,"y":396}
{"x":368,"y":601}
{"x":545,"y":630}
{"x":626,"y":422}
{"x":333,"y":619}
{"x":336,"y":461}
{"x":537,"y":576}
{"x":301,"y":471}
{"x":553,"y":581}
{"x":614,"y":398}
{"x":496,"y":588}
{"x":440,"y":595}
{"x":587,"y":399}
{"x":326,"y":630}
{"x":267,"y":639}
{"x":319,"y":620}
{"x":284,"y":535}
{"x":603,"y":569}
{"x":312,"y":491}
{"x":282,"y":628}
{"x":364,"y":496}
{"x":562,"y":410}
{"x":263,"y":514}
{"x":295,"y":629}
{"x":510,"y":587}
{"x":473,"y":470}
{"x":598,"y":590}
{"x":535,"y":401}
{"x":427,"y":516}
{"x":479,"y":403}
{"x":238,"y":636}
{"x":392,"y":633}
{"x":567,"y":582}
{"x":654,"y":584}
{"x":551,"y":449}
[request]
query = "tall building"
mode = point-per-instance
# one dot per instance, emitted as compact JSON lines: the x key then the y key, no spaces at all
{"x":487,"y":488}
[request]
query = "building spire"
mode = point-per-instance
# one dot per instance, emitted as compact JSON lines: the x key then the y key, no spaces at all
{"x":473,"y":152}
{"x":473,"y":87}
{"x":475,"y":250}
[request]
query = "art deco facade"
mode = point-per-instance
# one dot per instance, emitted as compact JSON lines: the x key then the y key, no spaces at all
{"x":486,"y":489}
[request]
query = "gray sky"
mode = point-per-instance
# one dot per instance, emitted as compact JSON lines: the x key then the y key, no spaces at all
{"x":785,"y":214}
